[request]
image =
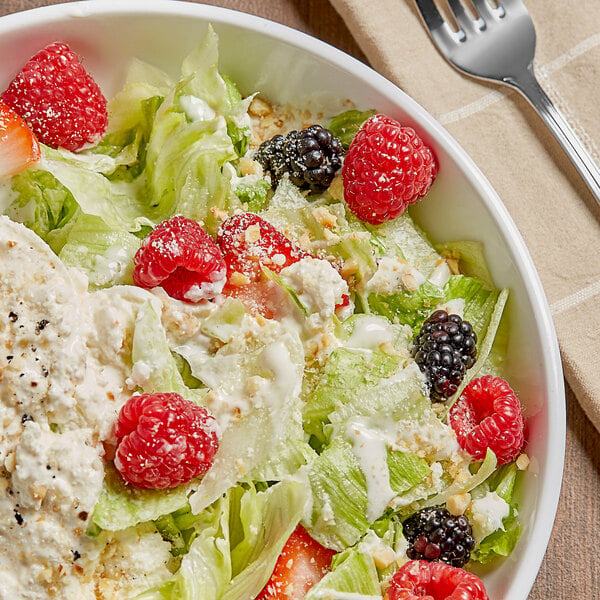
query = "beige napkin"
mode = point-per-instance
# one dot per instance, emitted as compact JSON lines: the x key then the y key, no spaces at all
{"x":553,"y":209}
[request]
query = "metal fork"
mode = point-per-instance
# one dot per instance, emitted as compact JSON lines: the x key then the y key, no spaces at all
{"x":498,"y":44}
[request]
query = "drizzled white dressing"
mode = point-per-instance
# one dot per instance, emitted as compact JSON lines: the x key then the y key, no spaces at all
{"x":370,"y":332}
{"x":370,"y":448}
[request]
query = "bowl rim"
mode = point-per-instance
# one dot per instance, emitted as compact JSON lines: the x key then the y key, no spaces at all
{"x":549,"y":491}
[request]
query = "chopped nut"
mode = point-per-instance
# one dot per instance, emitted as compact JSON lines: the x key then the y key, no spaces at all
{"x":219,"y":213}
{"x":259,"y":107}
{"x":522,"y":462}
{"x":252,"y":234}
{"x":250,"y":167}
{"x":38,"y":491}
{"x":330,"y":237}
{"x":383,"y":557}
{"x":350,"y":267}
{"x":458,"y":503}
{"x":336,"y":188}
{"x":304,"y":242}
{"x":324,"y":217}
{"x":268,"y":124}
{"x":10,"y":462}
{"x":409,"y":282}
{"x":453,"y":265}
{"x":238,"y":279}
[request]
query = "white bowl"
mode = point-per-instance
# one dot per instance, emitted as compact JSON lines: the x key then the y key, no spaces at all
{"x":285,"y":64}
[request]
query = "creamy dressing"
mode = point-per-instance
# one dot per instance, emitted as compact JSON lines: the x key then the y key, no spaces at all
{"x":370,"y":333}
{"x":197,"y":109}
{"x":370,"y":448}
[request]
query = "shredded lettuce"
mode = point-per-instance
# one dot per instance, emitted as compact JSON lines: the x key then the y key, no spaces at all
{"x":500,"y":543}
{"x":291,"y":424}
{"x":103,"y":253}
{"x":40,"y":201}
{"x":234,"y":543}
{"x":348,"y":373}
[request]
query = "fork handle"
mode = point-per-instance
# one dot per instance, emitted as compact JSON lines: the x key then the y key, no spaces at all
{"x":529,"y":86}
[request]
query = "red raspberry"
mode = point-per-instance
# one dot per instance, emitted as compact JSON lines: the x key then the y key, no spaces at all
{"x":183,"y":259}
{"x":58,"y":99}
{"x":164,"y":440}
{"x":421,"y":579}
{"x":488,"y":415}
{"x":387,"y":167}
{"x":248,"y":242}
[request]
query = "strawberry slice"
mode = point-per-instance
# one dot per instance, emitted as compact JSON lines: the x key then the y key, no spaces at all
{"x":264,"y":298}
{"x":19,"y":148}
{"x":302,"y":563}
{"x":248,"y":243}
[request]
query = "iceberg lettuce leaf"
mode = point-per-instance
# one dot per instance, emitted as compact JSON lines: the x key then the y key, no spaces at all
{"x":348,"y":373}
{"x":236,"y":543}
{"x":104,"y":254}
{"x":120,"y":505}
{"x":338,"y":516}
{"x":353,"y":577}
{"x":501,"y":542}
{"x":345,"y":125}
{"x":40,"y":201}
{"x":270,"y":412}
{"x":151,"y":353}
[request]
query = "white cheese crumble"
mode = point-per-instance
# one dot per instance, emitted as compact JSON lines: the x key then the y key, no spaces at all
{"x":64,"y":366}
{"x":318,"y":285}
{"x":486,"y":514}
{"x":394,"y":275}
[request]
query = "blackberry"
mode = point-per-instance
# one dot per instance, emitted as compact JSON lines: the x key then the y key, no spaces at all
{"x":435,"y":534}
{"x":444,"y":349}
{"x":272,"y":158}
{"x":311,"y":157}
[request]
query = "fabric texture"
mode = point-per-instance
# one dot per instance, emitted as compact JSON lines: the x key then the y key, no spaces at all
{"x":553,"y":209}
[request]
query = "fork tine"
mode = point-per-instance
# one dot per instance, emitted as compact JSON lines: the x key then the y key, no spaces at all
{"x":463,"y":19}
{"x":483,"y":8}
{"x":431,"y":15}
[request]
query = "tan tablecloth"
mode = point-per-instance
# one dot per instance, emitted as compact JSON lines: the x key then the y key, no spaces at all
{"x":553,"y":209}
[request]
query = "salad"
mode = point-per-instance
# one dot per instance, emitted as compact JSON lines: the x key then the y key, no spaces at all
{"x":235,"y":365}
